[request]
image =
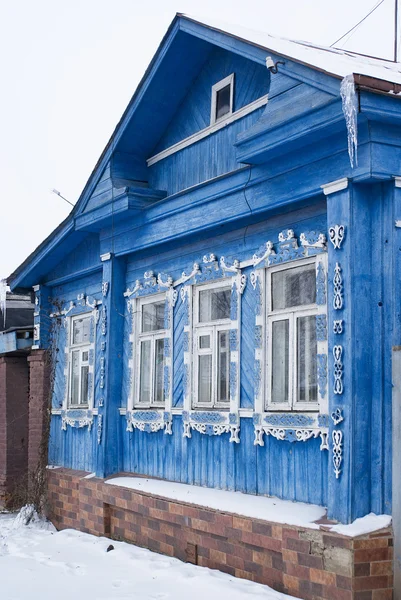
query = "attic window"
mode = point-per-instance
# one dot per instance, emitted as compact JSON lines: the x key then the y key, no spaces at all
{"x":222,"y":99}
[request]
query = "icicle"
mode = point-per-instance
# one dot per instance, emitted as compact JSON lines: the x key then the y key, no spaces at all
{"x":3,"y":298}
{"x":350,"y":110}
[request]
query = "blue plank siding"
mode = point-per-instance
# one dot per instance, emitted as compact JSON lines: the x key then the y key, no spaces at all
{"x":250,"y":83}
{"x":189,"y":167}
{"x":178,"y":362}
{"x":247,"y":347}
{"x":83,"y":258}
{"x":75,"y":448}
{"x":280,"y":469}
{"x":385,"y":333}
{"x":101,"y":193}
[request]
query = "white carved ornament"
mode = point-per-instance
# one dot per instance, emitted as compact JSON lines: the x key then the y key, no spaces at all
{"x":337,"y":451}
{"x":336,"y":235}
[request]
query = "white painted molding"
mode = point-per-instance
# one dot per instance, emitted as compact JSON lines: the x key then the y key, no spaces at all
{"x":243,"y":412}
{"x":335,"y":186}
{"x":216,"y":88}
{"x":104,"y":257}
{"x":200,"y":135}
{"x":58,"y":411}
{"x":397,"y":181}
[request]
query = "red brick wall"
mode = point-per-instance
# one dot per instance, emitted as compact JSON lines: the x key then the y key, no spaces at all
{"x":39,"y":375}
{"x":311,"y":564}
{"x":14,"y":392}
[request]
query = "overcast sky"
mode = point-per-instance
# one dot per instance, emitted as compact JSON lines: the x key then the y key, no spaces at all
{"x":68,"y":69}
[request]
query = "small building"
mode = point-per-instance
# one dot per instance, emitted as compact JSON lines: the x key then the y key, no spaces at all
{"x":225,"y":294}
{"x":16,"y":338}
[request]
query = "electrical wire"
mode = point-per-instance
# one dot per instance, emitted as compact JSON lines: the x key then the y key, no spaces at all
{"x":359,"y":23}
{"x":246,"y":200}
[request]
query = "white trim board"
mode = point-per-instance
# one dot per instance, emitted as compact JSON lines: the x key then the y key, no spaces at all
{"x":200,"y":135}
{"x":227,"y":81}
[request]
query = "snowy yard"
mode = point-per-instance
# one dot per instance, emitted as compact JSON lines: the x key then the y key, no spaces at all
{"x":39,"y":563}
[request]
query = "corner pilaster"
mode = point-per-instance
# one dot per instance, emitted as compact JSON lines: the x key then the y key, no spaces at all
{"x":110,"y":356}
{"x":349,"y":354}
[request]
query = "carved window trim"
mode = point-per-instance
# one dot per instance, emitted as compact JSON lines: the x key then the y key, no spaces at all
{"x":212,"y":329}
{"x":138,"y":338}
{"x":300,"y":423}
{"x":290,"y":314}
{"x":189,"y":294}
{"x":135,"y":305}
{"x":90,"y":348}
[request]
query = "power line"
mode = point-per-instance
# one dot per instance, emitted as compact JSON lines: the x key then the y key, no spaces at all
{"x":359,"y":23}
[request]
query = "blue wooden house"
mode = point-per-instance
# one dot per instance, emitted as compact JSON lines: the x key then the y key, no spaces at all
{"x":224,"y":295}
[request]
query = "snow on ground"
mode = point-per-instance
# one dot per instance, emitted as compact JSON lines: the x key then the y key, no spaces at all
{"x":257,"y":507}
{"x":39,"y":563}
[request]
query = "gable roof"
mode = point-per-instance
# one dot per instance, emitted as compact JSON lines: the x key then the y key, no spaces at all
{"x":382,"y":76}
{"x":333,"y":61}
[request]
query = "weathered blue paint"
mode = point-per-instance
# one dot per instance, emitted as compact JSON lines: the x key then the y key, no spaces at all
{"x":228,"y":194}
{"x":251,"y":82}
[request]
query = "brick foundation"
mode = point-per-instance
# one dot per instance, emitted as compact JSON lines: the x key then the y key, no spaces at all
{"x":14,"y":391}
{"x":308,"y":563}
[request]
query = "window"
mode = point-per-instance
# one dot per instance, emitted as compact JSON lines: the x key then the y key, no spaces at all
{"x":292,"y":381}
{"x":79,"y":362}
{"x":150,"y":352}
{"x":211,"y":342}
{"x":222,"y":99}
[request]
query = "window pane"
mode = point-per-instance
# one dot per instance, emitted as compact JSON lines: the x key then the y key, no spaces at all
{"x":214,"y":305}
{"x":307,"y":350}
{"x":223,"y":101}
{"x":75,"y":377}
{"x":84,"y":384}
{"x":81,"y":331}
{"x":159,"y":371}
{"x":205,"y":378}
{"x":223,"y":373}
{"x":153,"y":316}
{"x":85,"y":356}
{"x":204,"y":341}
{"x":145,"y":371}
{"x":294,"y":287}
{"x":280,"y":342}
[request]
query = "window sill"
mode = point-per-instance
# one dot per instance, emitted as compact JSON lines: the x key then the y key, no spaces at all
{"x":149,"y":420}
{"x":77,"y":418}
{"x":211,"y":422}
{"x":291,"y":426}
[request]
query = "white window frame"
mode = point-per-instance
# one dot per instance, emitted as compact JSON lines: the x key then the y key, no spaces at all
{"x":216,"y":88}
{"x":83,"y":347}
{"x":211,"y":328}
{"x":140,"y":337}
{"x":291,"y":314}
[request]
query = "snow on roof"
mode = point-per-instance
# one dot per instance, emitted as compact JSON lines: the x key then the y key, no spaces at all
{"x":333,"y":61}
